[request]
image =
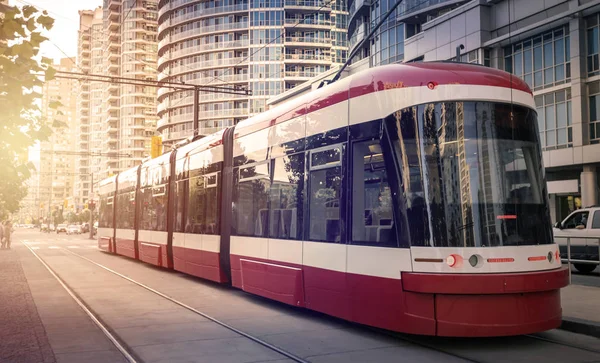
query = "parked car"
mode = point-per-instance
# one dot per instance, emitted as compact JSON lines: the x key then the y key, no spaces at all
{"x":583,"y":228}
{"x":61,"y":228}
{"x":51,"y":227}
{"x":85,"y":228}
{"x":73,"y":229}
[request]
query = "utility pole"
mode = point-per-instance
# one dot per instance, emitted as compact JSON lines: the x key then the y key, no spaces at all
{"x":90,"y":200}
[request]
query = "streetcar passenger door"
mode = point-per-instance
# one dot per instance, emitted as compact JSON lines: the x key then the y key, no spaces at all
{"x":324,"y":250}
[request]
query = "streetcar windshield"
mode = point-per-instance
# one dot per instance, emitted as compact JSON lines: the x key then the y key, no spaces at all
{"x":472,"y":174}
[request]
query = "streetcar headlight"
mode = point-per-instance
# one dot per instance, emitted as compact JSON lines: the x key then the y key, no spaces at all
{"x":454,"y":260}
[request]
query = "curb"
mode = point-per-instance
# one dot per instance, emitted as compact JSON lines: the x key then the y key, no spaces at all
{"x":581,"y":326}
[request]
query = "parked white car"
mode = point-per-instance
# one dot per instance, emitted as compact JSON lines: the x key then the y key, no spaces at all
{"x":583,"y":228}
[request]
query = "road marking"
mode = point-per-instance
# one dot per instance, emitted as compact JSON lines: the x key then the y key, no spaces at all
{"x":72,"y":246}
{"x":92,"y":246}
{"x":35,"y":243}
{"x":54,"y":247}
{"x":34,"y":248}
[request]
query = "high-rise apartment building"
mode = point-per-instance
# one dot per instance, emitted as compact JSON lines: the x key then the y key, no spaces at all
{"x":118,"y":120}
{"x":57,"y":160}
{"x":89,"y":99}
{"x":265,"y":46}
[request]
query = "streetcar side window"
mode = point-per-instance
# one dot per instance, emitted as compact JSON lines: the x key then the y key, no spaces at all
{"x":125,"y":211}
{"x":372,"y":216}
{"x":153,"y":211}
{"x":285,"y":207}
{"x":106,"y":213}
{"x":325,"y":190}
{"x":251,"y":203}
{"x":180,"y":205}
{"x":203,"y":205}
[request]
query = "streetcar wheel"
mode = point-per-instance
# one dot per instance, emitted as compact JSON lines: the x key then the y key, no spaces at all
{"x":585,"y":268}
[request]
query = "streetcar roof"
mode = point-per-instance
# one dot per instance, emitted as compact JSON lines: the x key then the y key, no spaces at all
{"x":379,"y":79}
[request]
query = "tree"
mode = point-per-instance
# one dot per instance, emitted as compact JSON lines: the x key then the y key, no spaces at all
{"x":84,"y":216}
{"x":58,"y":216}
{"x":22,"y":73}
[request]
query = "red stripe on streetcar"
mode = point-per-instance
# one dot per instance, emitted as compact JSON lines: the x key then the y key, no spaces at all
{"x":507,"y":216}
{"x":537,"y":258}
{"x":504,"y":259}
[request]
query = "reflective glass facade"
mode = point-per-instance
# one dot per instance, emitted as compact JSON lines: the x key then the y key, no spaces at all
{"x":265,"y":46}
{"x":387,"y":46}
{"x":543,"y":60}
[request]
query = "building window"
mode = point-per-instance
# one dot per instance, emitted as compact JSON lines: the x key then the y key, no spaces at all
{"x":542,"y":61}
{"x":593,"y":40}
{"x":594,"y":92}
{"x":470,"y":57}
{"x":554,"y":119}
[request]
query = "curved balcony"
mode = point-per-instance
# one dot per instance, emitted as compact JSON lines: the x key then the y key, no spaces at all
{"x":173,"y":136}
{"x":203,"y":48}
{"x":357,"y":37}
{"x":198,"y":66}
{"x":207,"y":30}
{"x":307,"y":58}
{"x":307,"y":42}
{"x":202,"y":13}
{"x":307,"y":5}
{"x":299,"y":75}
{"x":172,"y":5}
{"x":300,"y":23}
{"x":358,"y":7}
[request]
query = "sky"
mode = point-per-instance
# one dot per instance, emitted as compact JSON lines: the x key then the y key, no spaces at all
{"x":66,"y":24}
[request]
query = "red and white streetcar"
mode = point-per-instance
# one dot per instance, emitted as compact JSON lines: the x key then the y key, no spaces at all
{"x":409,"y":197}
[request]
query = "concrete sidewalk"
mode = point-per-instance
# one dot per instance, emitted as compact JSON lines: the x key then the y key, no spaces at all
{"x":581,"y":309}
{"x":40,"y":321}
{"x":22,"y":334}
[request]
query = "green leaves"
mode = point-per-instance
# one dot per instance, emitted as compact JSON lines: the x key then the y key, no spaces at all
{"x":50,"y":72}
{"x":54,"y":104}
{"x":28,"y":10}
{"x":46,"y":21}
{"x":20,"y":122}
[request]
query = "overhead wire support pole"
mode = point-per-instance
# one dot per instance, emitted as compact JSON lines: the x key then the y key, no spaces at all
{"x":196,"y":124}
{"x":362,"y":43}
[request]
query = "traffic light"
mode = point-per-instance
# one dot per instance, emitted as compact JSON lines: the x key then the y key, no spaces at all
{"x":66,"y":204}
{"x":156,"y":147}
{"x":85,"y":206}
{"x":41,"y":205}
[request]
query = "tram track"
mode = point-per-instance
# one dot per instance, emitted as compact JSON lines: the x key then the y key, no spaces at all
{"x":574,"y":346}
{"x":258,"y":340}
{"x":438,"y":345}
{"x":195,"y":311}
{"x":121,"y":345}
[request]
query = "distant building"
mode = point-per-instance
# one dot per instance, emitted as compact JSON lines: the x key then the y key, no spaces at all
{"x":56,"y":173}
{"x":553,"y":45}
{"x":266,"y":46}
{"x":117,"y":120}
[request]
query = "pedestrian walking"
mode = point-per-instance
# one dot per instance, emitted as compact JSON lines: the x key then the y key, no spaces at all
{"x":2,"y":235}
{"x":7,"y":233}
